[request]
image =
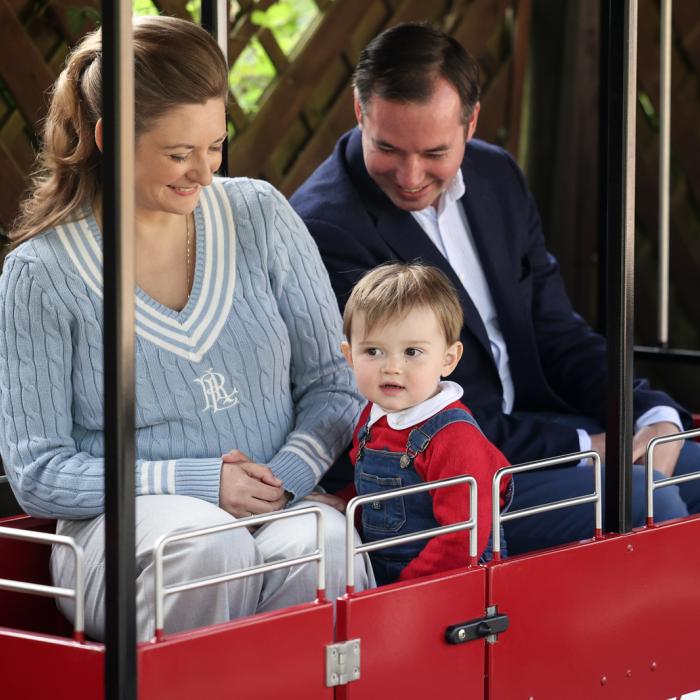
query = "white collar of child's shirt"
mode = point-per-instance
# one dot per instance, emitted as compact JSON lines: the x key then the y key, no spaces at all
{"x":400,"y":420}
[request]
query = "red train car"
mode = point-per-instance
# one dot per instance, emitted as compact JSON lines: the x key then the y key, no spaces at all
{"x":614,"y":616}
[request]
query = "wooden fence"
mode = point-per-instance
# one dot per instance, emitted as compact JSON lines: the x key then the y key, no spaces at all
{"x":306,"y":106}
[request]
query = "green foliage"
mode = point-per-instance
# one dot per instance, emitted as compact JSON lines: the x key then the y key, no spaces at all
{"x":288,"y":20}
{"x":144,"y":8}
{"x":253,"y":72}
{"x":250,"y":76}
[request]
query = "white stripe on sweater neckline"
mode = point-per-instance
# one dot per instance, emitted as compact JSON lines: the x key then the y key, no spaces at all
{"x":190,"y":332}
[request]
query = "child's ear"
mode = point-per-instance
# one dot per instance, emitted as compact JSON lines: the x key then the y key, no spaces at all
{"x":347,"y":351}
{"x":452,"y":357}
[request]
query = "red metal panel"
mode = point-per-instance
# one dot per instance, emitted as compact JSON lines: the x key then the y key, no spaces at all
{"x":266,"y":657}
{"x":403,"y":653}
{"x":34,"y":666}
{"x":618,"y":618}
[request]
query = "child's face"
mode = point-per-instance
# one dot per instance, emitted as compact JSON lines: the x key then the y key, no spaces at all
{"x":399,"y":363}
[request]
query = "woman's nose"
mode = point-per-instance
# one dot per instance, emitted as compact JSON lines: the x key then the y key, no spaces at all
{"x":201,"y":172}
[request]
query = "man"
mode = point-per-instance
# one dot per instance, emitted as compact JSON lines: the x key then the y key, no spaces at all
{"x":411,"y":182}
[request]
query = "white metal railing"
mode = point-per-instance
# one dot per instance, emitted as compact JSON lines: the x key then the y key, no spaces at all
{"x":351,"y":549}
{"x":161,"y":590}
{"x":595,"y":497}
{"x":653,"y":485}
{"x":76,"y":594}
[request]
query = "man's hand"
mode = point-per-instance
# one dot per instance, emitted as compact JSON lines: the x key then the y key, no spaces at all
{"x":665,"y":456}
{"x":598,"y":445}
{"x":248,"y":488}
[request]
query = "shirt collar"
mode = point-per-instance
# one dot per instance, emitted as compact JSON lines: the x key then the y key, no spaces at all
{"x":450,"y":195}
{"x":400,"y":420}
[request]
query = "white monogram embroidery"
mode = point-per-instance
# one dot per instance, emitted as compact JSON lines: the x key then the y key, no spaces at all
{"x":215,"y":395}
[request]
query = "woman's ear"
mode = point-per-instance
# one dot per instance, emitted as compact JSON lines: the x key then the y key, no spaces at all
{"x":453,"y":355}
{"x":98,"y":135}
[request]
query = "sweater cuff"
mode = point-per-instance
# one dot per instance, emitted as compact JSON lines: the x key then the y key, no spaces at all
{"x":200,"y":478}
{"x":296,"y":475}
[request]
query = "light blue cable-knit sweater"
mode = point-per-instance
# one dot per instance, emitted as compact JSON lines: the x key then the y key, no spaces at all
{"x":252,"y":361}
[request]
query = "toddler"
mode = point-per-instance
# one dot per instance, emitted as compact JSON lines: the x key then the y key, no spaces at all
{"x":402,"y":323}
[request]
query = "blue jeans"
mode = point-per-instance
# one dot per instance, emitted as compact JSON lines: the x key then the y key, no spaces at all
{"x":576,"y":523}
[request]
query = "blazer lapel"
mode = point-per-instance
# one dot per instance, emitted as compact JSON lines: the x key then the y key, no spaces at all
{"x":501,"y":266}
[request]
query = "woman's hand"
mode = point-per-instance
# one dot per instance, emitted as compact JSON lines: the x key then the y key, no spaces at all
{"x":248,"y":488}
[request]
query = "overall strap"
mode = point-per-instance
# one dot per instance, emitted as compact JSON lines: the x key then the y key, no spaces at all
{"x":362,"y":437}
{"x":419,"y":438}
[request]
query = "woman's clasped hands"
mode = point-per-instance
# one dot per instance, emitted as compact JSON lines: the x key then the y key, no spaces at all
{"x":248,"y":488}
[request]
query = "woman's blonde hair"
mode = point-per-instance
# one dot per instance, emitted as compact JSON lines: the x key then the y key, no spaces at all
{"x":391,"y":291}
{"x":176,"y":62}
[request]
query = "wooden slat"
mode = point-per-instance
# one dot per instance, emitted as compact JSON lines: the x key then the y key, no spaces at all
{"x":28,"y":78}
{"x":517,"y":77}
{"x":273,"y":50}
{"x":334,"y":79}
{"x":685,"y":109}
{"x":17,"y":142}
{"x":494,"y":103}
{"x":174,"y":8}
{"x":244,"y":29}
{"x":371,"y":24}
{"x":339,"y":119}
{"x":686,"y":26}
{"x":59,"y":13}
{"x":12,"y":184}
{"x":480,"y":30}
{"x":418,"y":11}
{"x":286,"y":101}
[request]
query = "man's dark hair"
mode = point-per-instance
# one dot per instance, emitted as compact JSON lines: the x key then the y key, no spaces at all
{"x":402,"y":64}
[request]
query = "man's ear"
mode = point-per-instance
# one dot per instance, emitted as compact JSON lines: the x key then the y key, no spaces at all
{"x":98,"y":135}
{"x":473,"y":120}
{"x":358,"y":107}
{"x":347,"y":352}
{"x":453,"y":355}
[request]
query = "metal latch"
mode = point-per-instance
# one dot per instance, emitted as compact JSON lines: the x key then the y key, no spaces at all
{"x":490,"y":627}
{"x":342,"y":662}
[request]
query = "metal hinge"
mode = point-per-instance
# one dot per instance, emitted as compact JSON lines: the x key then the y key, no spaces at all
{"x":342,"y":662}
{"x":488,"y":627}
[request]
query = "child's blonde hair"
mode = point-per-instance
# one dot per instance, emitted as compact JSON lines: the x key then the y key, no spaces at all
{"x":393,"y":290}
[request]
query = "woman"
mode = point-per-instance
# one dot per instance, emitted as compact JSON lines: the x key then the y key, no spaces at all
{"x":243,"y":399}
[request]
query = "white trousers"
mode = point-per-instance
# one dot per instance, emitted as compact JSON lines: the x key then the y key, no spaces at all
{"x":206,"y":556}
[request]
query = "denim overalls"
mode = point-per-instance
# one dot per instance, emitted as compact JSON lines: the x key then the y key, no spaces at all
{"x":381,"y":470}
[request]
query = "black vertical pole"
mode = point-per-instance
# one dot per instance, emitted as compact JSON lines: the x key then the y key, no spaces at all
{"x":619,"y":54}
{"x":215,"y":21}
{"x":118,"y":225}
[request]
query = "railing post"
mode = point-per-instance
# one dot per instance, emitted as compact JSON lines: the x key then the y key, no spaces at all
{"x":619,"y":55}
{"x":118,"y":284}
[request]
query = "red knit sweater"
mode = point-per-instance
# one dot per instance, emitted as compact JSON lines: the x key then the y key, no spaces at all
{"x":457,"y":449}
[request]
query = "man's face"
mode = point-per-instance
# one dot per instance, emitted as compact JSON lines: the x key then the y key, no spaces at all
{"x":413,"y":150}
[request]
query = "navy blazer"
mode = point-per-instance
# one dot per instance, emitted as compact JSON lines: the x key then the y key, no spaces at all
{"x":558,"y":364}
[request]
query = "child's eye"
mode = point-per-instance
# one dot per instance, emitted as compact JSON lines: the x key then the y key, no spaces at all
{"x":413,"y":352}
{"x":373,"y":352}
